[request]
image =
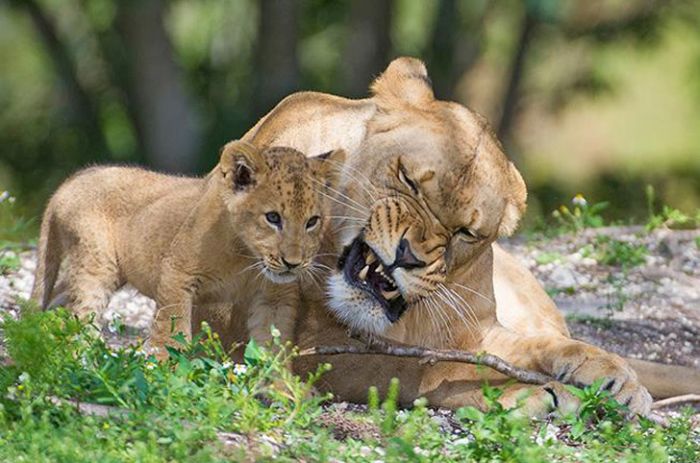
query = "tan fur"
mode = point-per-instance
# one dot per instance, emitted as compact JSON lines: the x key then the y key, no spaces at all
{"x":471,"y":295}
{"x":185,"y":241}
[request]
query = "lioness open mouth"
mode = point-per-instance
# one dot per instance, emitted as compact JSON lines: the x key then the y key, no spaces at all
{"x":363,"y":269}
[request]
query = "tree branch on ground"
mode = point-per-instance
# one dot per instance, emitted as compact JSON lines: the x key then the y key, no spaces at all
{"x":432,"y":356}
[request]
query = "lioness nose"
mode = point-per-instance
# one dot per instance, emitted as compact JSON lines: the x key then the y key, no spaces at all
{"x":291,"y":265}
{"x":405,"y":257}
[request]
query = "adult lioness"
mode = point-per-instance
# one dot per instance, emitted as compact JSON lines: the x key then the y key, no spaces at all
{"x":426,"y":191}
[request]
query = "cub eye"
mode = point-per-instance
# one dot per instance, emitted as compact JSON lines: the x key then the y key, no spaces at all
{"x":273,"y":218}
{"x":468,"y":234}
{"x":407,"y":181}
{"x":313,"y":221}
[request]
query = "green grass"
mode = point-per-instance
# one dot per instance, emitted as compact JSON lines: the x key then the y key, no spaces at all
{"x":177,"y":411}
{"x":610,"y":251}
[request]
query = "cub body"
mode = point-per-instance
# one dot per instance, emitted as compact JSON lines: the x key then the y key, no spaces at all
{"x":242,"y":234}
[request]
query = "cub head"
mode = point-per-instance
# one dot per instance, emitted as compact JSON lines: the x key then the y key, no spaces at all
{"x":436,"y":191}
{"x":278,"y":204}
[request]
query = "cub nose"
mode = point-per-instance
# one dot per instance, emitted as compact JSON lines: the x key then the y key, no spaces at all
{"x":405,"y":257}
{"x":291,"y":265}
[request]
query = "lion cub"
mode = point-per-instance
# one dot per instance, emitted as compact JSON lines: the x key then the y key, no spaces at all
{"x":242,"y":234}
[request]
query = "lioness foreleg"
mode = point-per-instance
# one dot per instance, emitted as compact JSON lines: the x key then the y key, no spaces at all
{"x":570,"y":361}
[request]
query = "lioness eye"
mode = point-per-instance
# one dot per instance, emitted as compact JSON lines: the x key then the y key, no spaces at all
{"x":313,"y":221}
{"x":407,"y":181}
{"x":468,"y":234}
{"x":273,"y":218}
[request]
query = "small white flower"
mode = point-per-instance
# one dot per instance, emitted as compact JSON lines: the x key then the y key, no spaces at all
{"x":579,"y":201}
{"x":11,"y":199}
{"x":4,"y":195}
{"x":113,"y":354}
{"x":239,"y":369}
{"x":226,"y":365}
{"x":23,"y":377}
{"x":150,"y":366}
{"x":275,"y":332}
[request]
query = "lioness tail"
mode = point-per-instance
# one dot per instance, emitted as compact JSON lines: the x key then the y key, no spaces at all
{"x":664,"y":381}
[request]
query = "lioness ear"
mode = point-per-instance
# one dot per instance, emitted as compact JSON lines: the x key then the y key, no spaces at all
{"x":331,"y":165}
{"x":516,"y":202}
{"x":242,"y":163}
{"x":405,"y":80}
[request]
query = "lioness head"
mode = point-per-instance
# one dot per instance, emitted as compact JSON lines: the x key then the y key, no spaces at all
{"x":429,"y":190}
{"x":278,"y":204}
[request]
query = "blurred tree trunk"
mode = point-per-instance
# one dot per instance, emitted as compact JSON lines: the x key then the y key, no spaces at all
{"x":78,"y":96}
{"x":116,"y":60}
{"x":455,"y":45}
{"x":368,"y":45}
{"x":511,"y":96}
{"x":277,"y":66}
{"x":165,"y":117}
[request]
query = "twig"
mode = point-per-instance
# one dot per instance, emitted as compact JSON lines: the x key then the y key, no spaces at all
{"x":678,"y":400}
{"x":432,"y":356}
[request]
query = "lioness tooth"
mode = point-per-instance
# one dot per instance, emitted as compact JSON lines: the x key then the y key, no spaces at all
{"x":388,"y":295}
{"x":363,"y":272}
{"x":379,"y":269}
{"x":370,"y":258}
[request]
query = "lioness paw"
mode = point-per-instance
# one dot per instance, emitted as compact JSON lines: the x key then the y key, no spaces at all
{"x":617,"y":377}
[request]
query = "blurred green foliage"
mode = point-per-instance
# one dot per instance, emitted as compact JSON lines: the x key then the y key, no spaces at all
{"x":566,"y":84}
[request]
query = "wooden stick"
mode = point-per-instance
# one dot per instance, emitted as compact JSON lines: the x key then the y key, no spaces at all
{"x":380,"y":347}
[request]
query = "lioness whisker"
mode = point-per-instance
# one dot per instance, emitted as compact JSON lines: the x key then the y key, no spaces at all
{"x":470,"y":310}
{"x":459,"y":313}
{"x":443,"y":316}
{"x":362,"y":184}
{"x":348,"y":217}
{"x":333,"y":198}
{"x":472,"y":290}
{"x":339,"y":193}
{"x":431,"y":316}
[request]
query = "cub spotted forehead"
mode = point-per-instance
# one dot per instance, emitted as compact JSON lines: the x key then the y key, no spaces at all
{"x":245,"y":164}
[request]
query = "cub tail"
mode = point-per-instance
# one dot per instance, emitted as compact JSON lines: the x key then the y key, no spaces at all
{"x":48,"y":261}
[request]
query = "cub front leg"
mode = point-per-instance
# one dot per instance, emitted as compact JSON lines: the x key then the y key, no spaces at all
{"x":572,"y":362}
{"x":173,"y":311}
{"x":273,"y":306}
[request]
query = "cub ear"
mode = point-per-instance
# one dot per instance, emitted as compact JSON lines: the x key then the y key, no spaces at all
{"x":331,"y":165}
{"x":405,"y":80}
{"x":242,"y":163}
{"x":516,"y":202}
